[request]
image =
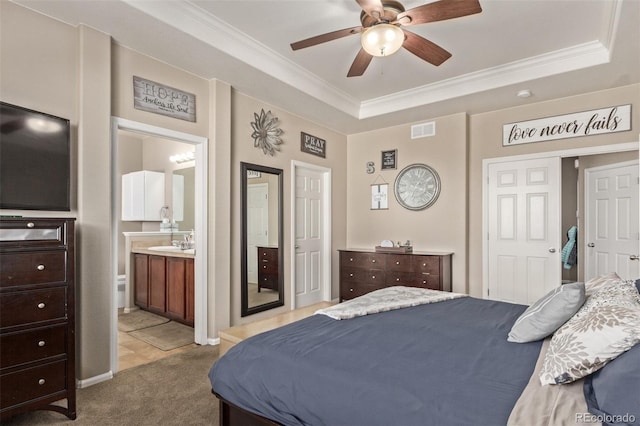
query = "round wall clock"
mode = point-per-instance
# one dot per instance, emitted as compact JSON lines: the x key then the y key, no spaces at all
{"x":417,"y":187}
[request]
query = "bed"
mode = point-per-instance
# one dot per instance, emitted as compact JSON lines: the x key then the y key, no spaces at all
{"x":444,"y":363}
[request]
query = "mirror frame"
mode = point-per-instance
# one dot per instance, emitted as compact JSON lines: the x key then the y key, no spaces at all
{"x":245,"y":309}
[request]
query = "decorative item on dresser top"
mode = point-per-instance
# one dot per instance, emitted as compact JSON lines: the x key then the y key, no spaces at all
{"x":37,"y":320}
{"x":363,"y":271}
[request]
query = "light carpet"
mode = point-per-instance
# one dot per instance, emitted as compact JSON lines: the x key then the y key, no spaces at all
{"x":172,"y":391}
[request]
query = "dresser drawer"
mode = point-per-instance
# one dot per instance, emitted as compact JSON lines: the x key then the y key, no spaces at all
{"x":400,"y":278}
{"x":267,"y":253}
{"x":363,"y":260}
{"x":269,"y":267}
{"x":427,"y":264}
{"x":426,"y":280}
{"x":36,"y":267}
{"x":32,"y":345}
{"x":350,"y":290}
{"x":31,"y":383}
{"x":34,"y":232}
{"x":399,"y":262}
{"x":24,"y":307}
{"x":268,"y":281}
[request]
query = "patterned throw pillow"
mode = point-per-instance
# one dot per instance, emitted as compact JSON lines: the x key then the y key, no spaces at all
{"x":607,"y":325}
{"x":595,"y":284}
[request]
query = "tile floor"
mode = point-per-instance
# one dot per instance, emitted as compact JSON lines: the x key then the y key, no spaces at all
{"x":133,"y":352}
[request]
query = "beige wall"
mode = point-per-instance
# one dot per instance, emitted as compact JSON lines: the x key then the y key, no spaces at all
{"x":441,"y":227}
{"x":486,"y":142}
{"x":243,"y":108}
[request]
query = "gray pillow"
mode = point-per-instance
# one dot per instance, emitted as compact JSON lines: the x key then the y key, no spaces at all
{"x":547,"y":314}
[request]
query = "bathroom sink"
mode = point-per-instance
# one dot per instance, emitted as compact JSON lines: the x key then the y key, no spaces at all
{"x":173,"y":249}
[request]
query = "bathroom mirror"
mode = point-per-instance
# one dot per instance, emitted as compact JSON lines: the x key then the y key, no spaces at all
{"x":183,"y":198}
{"x":261,"y":238}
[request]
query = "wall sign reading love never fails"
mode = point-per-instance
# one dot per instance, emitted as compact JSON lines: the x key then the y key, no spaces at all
{"x":588,"y":123}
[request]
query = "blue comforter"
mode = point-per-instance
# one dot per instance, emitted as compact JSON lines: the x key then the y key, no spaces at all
{"x":447,"y":363}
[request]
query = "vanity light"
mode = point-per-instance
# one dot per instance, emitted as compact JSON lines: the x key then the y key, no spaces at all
{"x":382,"y":39}
{"x":182,"y":158}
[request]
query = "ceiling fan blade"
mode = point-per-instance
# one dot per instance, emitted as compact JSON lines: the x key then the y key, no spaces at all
{"x":439,"y":11}
{"x":312,"y":41}
{"x":360,"y":64}
{"x":425,"y":49}
{"x":372,"y":7}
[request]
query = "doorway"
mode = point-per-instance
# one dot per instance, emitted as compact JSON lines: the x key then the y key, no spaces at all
{"x":611,"y":220}
{"x":200,"y":222}
{"x":491,"y":221}
{"x":311,"y":234}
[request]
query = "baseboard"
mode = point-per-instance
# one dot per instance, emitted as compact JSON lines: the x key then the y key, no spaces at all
{"x":85,"y":383}
{"x":214,"y":341}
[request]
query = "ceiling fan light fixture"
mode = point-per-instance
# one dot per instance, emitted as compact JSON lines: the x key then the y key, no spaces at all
{"x":382,"y":39}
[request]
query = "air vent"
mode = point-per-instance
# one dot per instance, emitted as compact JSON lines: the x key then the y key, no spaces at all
{"x":423,"y":130}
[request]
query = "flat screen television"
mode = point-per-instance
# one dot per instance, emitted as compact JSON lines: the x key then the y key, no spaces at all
{"x":34,"y":160}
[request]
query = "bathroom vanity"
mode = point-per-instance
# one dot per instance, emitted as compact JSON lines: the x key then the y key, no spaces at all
{"x":163,"y":282}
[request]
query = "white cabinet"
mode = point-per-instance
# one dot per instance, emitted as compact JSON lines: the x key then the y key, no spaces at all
{"x":142,"y":195}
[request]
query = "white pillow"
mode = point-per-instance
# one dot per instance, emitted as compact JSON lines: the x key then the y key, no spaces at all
{"x":607,"y":325}
{"x":548,"y":313}
{"x":597,"y":283}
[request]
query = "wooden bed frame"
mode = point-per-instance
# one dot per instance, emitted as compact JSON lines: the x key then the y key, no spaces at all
{"x":232,"y":415}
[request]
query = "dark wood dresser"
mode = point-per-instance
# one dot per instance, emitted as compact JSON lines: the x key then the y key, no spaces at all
{"x":268,"y":268}
{"x":37,"y":326}
{"x":363,"y":271}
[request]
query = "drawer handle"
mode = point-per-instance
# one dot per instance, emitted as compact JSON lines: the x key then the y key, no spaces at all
{"x":40,"y":267}
{"x":351,"y":259}
{"x":41,"y":382}
{"x":351,"y":275}
{"x":41,"y":343}
{"x":30,"y":225}
{"x":351,"y":290}
{"x":424,"y":282}
{"x":373,"y":261}
{"x":41,"y":305}
{"x":426,"y":273}
{"x":374,"y":277}
{"x":265,"y":261}
{"x":397,"y":279}
{"x":424,"y":264}
{"x":397,"y":262}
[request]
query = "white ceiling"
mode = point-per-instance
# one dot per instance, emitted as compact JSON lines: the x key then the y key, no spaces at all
{"x":555,"y":48}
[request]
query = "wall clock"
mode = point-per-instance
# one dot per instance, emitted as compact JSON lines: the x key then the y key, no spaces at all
{"x":417,"y":187}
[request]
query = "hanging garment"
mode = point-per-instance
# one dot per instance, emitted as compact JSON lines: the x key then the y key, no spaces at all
{"x":570,"y":249}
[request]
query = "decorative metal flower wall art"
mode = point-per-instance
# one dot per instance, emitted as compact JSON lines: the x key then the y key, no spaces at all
{"x":266,"y":133}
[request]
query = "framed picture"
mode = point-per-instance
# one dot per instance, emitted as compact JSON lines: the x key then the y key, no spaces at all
{"x":380,"y":196}
{"x":389,"y":159}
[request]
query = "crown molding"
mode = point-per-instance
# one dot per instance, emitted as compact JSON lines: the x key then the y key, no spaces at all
{"x":193,"y":20}
{"x":570,"y":59}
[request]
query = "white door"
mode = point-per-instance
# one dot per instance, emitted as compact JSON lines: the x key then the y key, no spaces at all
{"x":611,"y":221}
{"x":309,"y":232}
{"x":257,"y":226}
{"x":524,"y":237}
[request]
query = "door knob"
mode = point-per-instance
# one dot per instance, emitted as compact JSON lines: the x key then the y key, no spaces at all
{"x":552,"y":250}
{"x":591,"y":245}
{"x":634,"y":257}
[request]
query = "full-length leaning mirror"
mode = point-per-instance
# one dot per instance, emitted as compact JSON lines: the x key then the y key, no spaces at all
{"x":261,"y":245}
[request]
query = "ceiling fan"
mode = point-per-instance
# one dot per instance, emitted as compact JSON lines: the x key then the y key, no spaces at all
{"x":382,"y":34}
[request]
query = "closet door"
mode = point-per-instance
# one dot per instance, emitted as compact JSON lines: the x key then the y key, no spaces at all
{"x":523,"y":216}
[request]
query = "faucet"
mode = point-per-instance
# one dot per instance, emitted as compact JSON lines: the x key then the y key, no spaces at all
{"x":189,"y":240}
